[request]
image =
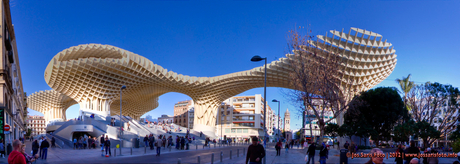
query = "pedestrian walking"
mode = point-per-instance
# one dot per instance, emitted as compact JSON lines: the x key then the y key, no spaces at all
{"x":2,"y":149}
{"x":278,"y":148}
{"x":182,"y":143}
{"x":53,"y":142}
{"x":376,"y":159}
{"x":44,"y":148}
{"x":146,"y":140}
{"x":399,"y":158}
{"x":311,"y":153}
{"x":158,"y":144}
{"x":102,"y":140}
{"x":35,"y":147}
{"x":346,"y":145}
{"x":107,"y":147}
{"x":255,"y":152}
{"x":323,"y":154}
{"x":411,"y":150}
{"x":286,"y":146}
{"x":40,"y":146}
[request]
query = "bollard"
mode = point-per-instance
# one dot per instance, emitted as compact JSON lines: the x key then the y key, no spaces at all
{"x":131,"y":151}
{"x":230,"y":154}
{"x":115,"y":151}
{"x":145,"y":150}
{"x":244,"y":151}
{"x":237,"y":152}
{"x":199,"y":160}
{"x":178,"y":160}
{"x":170,"y":148}
{"x":120,"y":150}
{"x":212,"y":158}
{"x":196,"y":147}
{"x":214,"y":145}
{"x":221,"y":155}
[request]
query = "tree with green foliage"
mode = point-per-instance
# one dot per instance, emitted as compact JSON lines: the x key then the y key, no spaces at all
{"x":426,"y":131}
{"x":331,"y":130}
{"x":455,"y":136}
{"x":406,"y":85}
{"x":375,"y":112}
{"x":29,"y":132}
{"x":435,"y":103}
{"x":345,"y":130}
{"x":403,"y":131}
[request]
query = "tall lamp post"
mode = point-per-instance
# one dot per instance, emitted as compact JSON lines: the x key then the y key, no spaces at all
{"x":221,"y":136}
{"x":256,"y":59}
{"x":278,"y":130}
{"x":121,"y":122}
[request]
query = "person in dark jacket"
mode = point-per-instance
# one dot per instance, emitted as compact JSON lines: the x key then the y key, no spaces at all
{"x":376,"y":159}
{"x":411,"y":150}
{"x":323,"y":154}
{"x":146,"y":140}
{"x":255,"y":152}
{"x":102,"y":140}
{"x":151,"y":141}
{"x":399,"y":158}
{"x":311,"y":153}
{"x":107,"y":146}
{"x":278,"y":148}
{"x":44,"y":148}
{"x":53,"y":142}
{"x":182,"y":143}
{"x":35,"y":147}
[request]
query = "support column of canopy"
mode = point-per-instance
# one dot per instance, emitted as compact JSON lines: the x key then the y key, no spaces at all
{"x":96,"y":106}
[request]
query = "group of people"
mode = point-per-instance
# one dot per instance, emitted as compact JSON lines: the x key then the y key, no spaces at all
{"x":105,"y":143}
{"x":19,"y":154}
{"x":84,"y":142}
{"x":163,"y":141}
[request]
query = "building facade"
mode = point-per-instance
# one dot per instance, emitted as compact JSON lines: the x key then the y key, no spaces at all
{"x":165,"y":119}
{"x":37,"y":124}
{"x":242,"y":117}
{"x":13,"y":106}
{"x":312,"y":121}
{"x":182,"y":113}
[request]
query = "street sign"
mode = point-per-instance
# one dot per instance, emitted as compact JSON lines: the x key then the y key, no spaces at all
{"x":6,"y":127}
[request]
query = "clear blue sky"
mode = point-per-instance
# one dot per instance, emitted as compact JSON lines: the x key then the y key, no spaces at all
{"x":207,"y":38}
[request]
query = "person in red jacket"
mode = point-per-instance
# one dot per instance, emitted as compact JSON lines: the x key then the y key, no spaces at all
{"x":16,"y":157}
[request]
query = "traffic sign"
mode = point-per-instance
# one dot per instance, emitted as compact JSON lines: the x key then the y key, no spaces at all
{"x":6,"y":127}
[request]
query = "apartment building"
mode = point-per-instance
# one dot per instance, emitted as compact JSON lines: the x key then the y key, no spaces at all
{"x":37,"y":124}
{"x":13,"y":104}
{"x":182,"y":112}
{"x":310,"y":119}
{"x":242,"y":117}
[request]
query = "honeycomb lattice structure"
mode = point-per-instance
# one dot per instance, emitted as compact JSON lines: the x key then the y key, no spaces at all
{"x":51,"y":103}
{"x":92,"y":75}
{"x":368,"y":59}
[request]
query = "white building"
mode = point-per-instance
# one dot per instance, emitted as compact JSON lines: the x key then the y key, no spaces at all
{"x":241,"y":117}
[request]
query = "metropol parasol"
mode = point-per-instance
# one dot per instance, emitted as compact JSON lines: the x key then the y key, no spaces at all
{"x":92,"y":75}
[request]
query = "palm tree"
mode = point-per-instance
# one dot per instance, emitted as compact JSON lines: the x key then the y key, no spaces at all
{"x":406,"y":85}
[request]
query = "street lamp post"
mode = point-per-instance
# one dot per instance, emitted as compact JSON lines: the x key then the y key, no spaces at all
{"x":121,"y":122}
{"x":278,"y":130}
{"x":221,"y":136}
{"x":256,"y":59}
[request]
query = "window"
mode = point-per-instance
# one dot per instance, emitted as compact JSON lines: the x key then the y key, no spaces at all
{"x":239,"y":130}
{"x":227,"y":130}
{"x":233,"y":130}
{"x":245,"y":130}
